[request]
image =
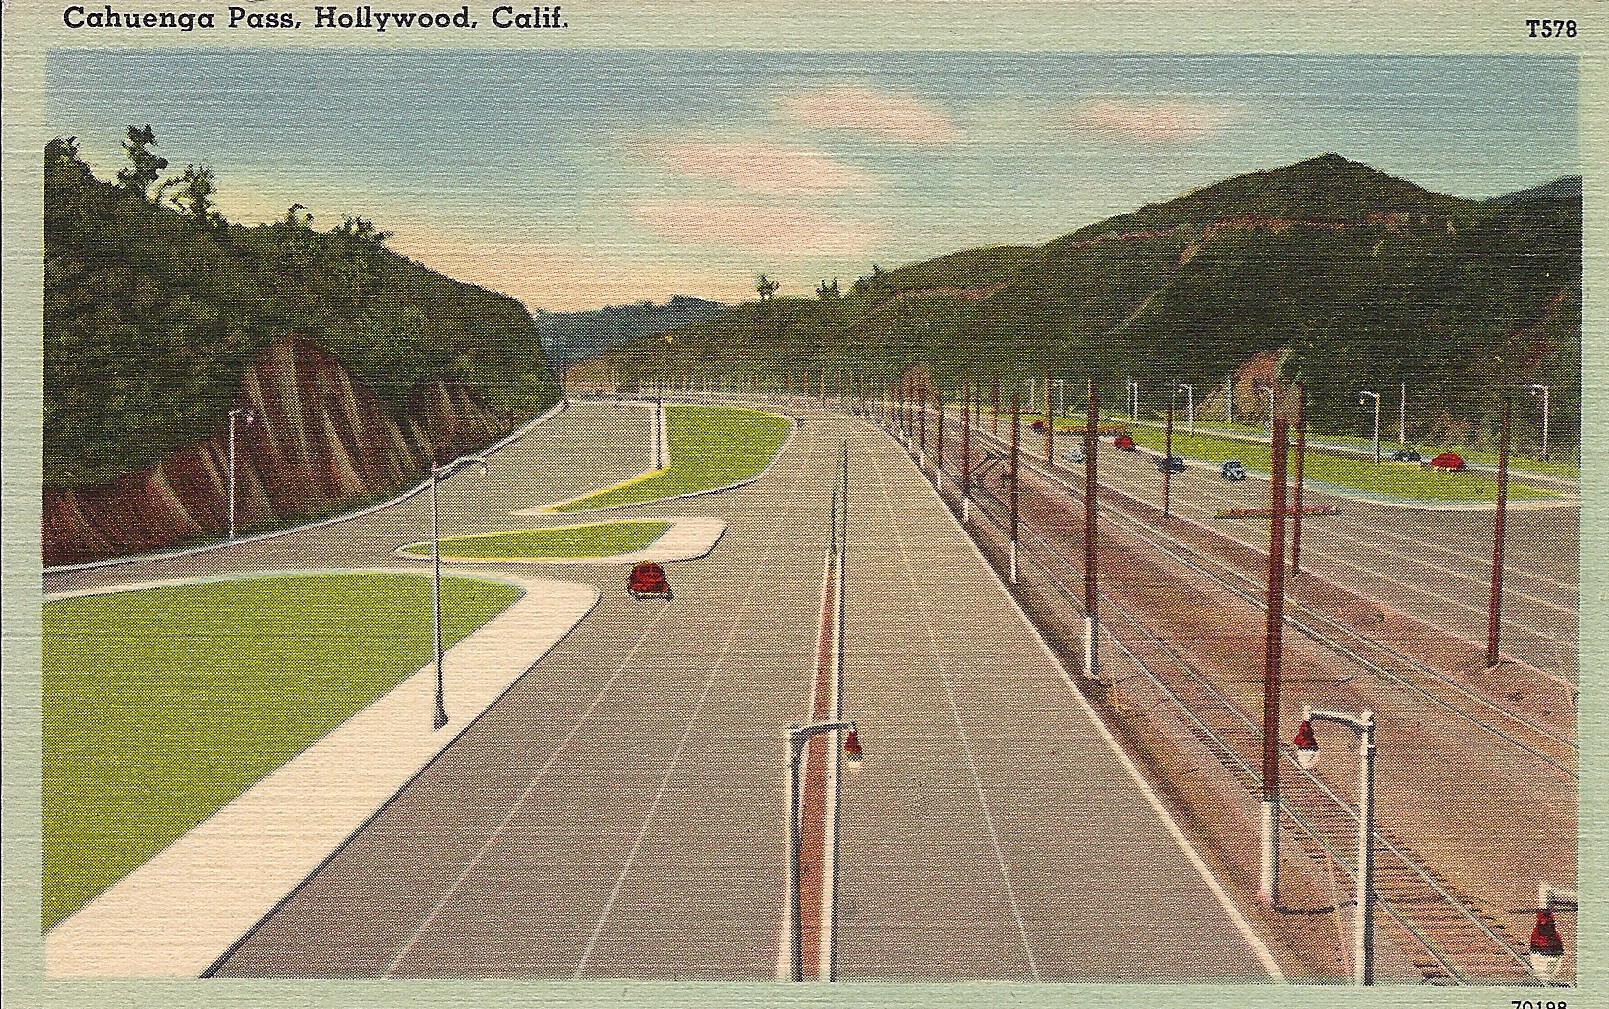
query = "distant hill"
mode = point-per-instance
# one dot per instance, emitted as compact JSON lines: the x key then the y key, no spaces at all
{"x":569,"y":337}
{"x":1350,"y":276}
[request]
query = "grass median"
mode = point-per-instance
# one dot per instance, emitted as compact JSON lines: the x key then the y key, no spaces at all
{"x":596,"y":540}
{"x":710,"y":447}
{"x":1397,"y":481}
{"x":161,"y":705}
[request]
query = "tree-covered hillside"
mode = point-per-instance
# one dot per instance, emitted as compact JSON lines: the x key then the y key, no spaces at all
{"x":1354,"y":278}
{"x":155,"y":306}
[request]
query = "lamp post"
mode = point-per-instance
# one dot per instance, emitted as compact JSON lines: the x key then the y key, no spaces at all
{"x":1307,"y":754}
{"x":1189,"y":405}
{"x":1229,"y":399}
{"x":250,"y":415}
{"x":1134,"y":399}
{"x":1402,"y":414}
{"x":1546,"y":953}
{"x":1376,"y":397}
{"x":1546,"y":405}
{"x":798,"y":736}
{"x":437,"y":475}
{"x":1270,"y":390}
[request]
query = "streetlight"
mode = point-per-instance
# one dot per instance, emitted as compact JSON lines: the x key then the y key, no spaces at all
{"x":1402,"y":414}
{"x":1376,"y":397}
{"x":1546,"y":952}
{"x":1306,"y":744}
{"x":1189,"y":404}
{"x":437,"y":475}
{"x":1134,"y":399}
{"x":1546,"y":404}
{"x":1270,"y":390}
{"x":798,"y":736}
{"x":250,"y":415}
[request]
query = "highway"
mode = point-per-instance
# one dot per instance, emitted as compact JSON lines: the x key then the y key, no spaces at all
{"x":619,"y":813}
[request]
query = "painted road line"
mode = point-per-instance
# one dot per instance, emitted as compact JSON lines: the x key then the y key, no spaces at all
{"x":183,"y":910}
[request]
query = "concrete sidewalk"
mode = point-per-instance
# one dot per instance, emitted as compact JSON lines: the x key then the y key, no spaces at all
{"x":687,"y":539}
{"x":177,"y":914}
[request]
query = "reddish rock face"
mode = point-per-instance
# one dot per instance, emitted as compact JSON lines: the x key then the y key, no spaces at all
{"x":320,"y":438}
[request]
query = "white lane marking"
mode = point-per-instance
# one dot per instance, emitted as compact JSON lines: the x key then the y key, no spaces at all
{"x":486,"y":846}
{"x":1242,"y":925}
{"x":955,"y":714}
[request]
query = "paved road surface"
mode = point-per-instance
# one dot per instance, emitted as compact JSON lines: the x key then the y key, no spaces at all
{"x":619,"y":813}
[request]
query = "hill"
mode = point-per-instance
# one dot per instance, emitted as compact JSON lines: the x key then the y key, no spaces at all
{"x":569,"y":337}
{"x":1348,"y":276}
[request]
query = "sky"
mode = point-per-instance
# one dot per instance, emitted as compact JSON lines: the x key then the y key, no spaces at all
{"x":576,"y":179}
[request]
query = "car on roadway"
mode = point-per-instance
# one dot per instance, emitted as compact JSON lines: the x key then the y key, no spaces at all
{"x":1170,"y":464}
{"x":1075,"y":454}
{"x":648,"y":581}
{"x":1232,"y":470}
{"x":1039,"y":426}
{"x":1124,"y":442}
{"x":1405,"y":455}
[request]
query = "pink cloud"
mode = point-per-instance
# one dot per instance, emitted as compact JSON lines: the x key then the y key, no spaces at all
{"x":1151,"y":120}
{"x":761,"y":167}
{"x":789,"y":232}
{"x":896,"y":117}
{"x":560,"y":277}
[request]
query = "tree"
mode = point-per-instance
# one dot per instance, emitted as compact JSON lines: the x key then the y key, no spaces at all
{"x":362,"y":230}
{"x":144,"y":167}
{"x":766,"y":286}
{"x":301,"y":222}
{"x":192,"y":193}
{"x":829,"y":292}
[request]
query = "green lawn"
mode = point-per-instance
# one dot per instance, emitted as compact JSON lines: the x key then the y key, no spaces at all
{"x":600,"y":539}
{"x":161,"y":705}
{"x":1407,"y":482}
{"x":710,"y":446}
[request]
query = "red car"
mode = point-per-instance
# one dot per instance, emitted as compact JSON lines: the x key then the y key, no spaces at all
{"x":1451,"y":462}
{"x":1124,"y":443}
{"x":647,"y":581}
{"x":1039,"y":426}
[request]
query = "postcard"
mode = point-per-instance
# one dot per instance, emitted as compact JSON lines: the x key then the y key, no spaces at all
{"x":894,"y":504}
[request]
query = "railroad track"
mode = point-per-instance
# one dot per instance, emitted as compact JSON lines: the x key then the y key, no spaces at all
{"x":1554,"y":750}
{"x":1448,"y":936}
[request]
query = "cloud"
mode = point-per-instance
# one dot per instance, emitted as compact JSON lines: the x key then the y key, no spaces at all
{"x":563,"y":277}
{"x":1159,"y":121}
{"x":896,"y":117}
{"x":762,"y":167}
{"x":787,"y":233}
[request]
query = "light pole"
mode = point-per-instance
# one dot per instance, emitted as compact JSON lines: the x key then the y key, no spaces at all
{"x":1546,"y":952}
{"x":1229,"y":399}
{"x":1061,"y":397}
{"x":1307,"y":756}
{"x":1189,"y":405}
{"x":1402,"y":415}
{"x":250,"y":415}
{"x":437,"y":475}
{"x":1134,"y":399}
{"x":1546,"y":405}
{"x":1270,"y":390}
{"x":798,"y":736}
{"x":1376,"y":397}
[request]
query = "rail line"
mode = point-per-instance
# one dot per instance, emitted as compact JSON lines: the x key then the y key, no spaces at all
{"x":1447,"y":935}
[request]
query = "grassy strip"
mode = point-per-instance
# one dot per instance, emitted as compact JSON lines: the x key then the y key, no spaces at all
{"x":600,"y":539}
{"x":1393,"y":480}
{"x":710,"y":446}
{"x":161,"y":705}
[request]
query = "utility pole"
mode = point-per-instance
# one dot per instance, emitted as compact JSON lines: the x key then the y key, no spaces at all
{"x":938,"y":469}
{"x":1301,"y":452}
{"x":1167,"y":453}
{"x":921,"y":425}
{"x":966,"y":450}
{"x":1229,"y":398}
{"x":1050,"y":426}
{"x":1016,"y":430}
{"x":994,"y":406}
{"x":1273,"y":643}
{"x":1494,"y":613}
{"x":1092,"y":623}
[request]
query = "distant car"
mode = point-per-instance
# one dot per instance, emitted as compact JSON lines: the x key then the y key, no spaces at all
{"x":1039,"y":426}
{"x":1450,"y":462}
{"x":1232,"y":470}
{"x":1075,"y":454}
{"x":648,"y":581}
{"x":1405,"y":455}
{"x":1124,"y":443}
{"x":1170,"y":464}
